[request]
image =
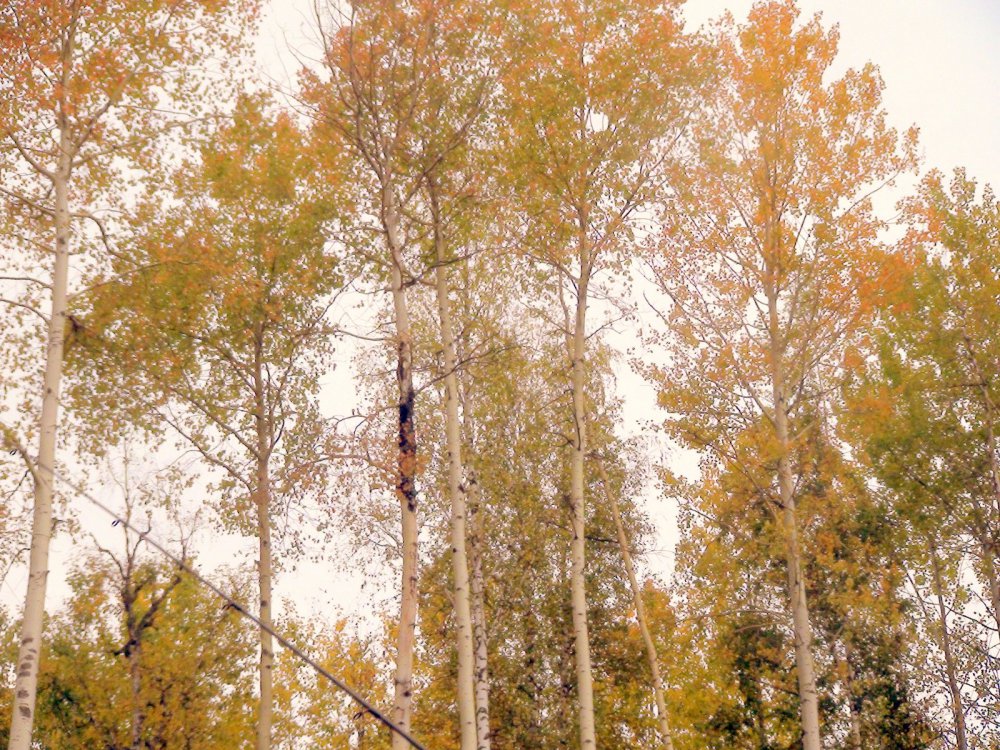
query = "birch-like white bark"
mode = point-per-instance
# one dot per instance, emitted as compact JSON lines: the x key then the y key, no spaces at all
{"x":262,"y":500}
{"x":957,"y":707}
{"x":456,"y":491}
{"x":801,"y":627}
{"x":477,"y":605}
{"x":581,"y":635}
{"x":26,"y":682}
{"x":406,"y":487}
{"x":659,"y":693}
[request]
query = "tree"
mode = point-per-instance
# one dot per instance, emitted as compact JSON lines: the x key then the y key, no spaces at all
{"x":923,"y":415}
{"x":593,"y":107}
{"x":770,"y":260}
{"x":82,"y":82}
{"x":515,"y":410}
{"x":624,"y":544}
{"x":215,"y":329}
{"x":188,"y":670}
{"x":308,"y":711}
{"x":404,"y":91}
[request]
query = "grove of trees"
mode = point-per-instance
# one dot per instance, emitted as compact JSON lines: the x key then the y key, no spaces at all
{"x":458,"y":201}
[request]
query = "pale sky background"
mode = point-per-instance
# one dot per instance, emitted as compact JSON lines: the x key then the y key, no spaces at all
{"x":942,"y":73}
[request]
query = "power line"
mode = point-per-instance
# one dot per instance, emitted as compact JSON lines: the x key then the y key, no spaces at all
{"x":239,"y":607}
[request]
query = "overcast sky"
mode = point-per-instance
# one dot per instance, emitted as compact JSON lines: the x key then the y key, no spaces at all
{"x":940,"y":63}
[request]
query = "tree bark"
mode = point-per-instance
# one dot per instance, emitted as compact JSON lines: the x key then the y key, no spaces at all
{"x":135,"y":685}
{"x":264,"y":563}
{"x":802,"y":629}
{"x":457,"y":492}
{"x":26,"y":683}
{"x":406,"y":485}
{"x":477,"y":591}
{"x":581,"y":636}
{"x":659,"y":693}
{"x":958,"y":710}
{"x":477,"y":579}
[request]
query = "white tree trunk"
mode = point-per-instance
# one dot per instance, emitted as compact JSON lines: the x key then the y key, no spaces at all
{"x":26,"y":683}
{"x":581,"y":636}
{"x":406,"y":488}
{"x":801,"y":627}
{"x":659,"y":694}
{"x":264,"y":563}
{"x":477,"y":592}
{"x":456,"y":490}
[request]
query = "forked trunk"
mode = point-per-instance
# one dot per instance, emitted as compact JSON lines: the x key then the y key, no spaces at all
{"x":26,"y":683}
{"x":456,"y":490}
{"x":659,"y":694}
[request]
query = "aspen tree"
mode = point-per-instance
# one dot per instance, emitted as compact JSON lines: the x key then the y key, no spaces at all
{"x":659,"y":692}
{"x":594,"y":104}
{"x":79,"y":80}
{"x":215,"y":327}
{"x":192,"y":667}
{"x":770,"y":259}
{"x":922,"y":411}
{"x":405,"y":91}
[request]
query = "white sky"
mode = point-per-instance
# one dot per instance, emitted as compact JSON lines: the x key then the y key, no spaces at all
{"x":940,"y":63}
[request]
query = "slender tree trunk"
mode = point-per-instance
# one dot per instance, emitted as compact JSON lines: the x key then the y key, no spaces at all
{"x":802,"y":629}
{"x":989,"y":518}
{"x":958,"y":710}
{"x":406,"y":486}
{"x":476,"y":540}
{"x":808,"y":695}
{"x":26,"y":683}
{"x":264,"y":563}
{"x":477,"y":591}
{"x":659,"y":693}
{"x":477,"y":580}
{"x":456,"y":490}
{"x":135,"y":685}
{"x":581,"y":636}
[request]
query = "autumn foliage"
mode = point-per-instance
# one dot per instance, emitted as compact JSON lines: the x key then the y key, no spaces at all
{"x":374,"y":329}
